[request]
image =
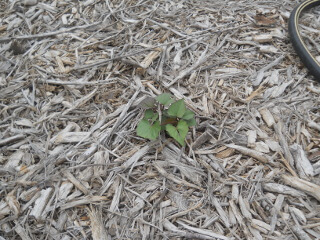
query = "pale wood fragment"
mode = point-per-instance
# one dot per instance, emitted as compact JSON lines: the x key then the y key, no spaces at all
{"x":283,"y":143}
{"x":263,"y":38}
{"x":252,"y":153}
{"x":303,"y":185}
{"x":116,"y":197}
{"x":256,"y":234}
{"x":239,"y":218}
{"x":76,"y":182}
{"x":298,"y":214}
{"x":80,"y":102}
{"x":235,"y":192}
{"x":203,"y":231}
{"x":98,"y":229}
{"x":261,"y":147}
{"x":267,"y":117}
{"x":83,"y":201}
{"x":302,"y":163}
{"x":31,"y":201}
{"x":21,"y":232}
{"x":40,"y":204}
{"x":268,"y":49}
{"x":279,"y":188}
{"x":14,"y":160}
{"x":273,"y":145}
{"x":221,"y":212}
{"x":64,"y":190}
{"x":13,"y":203}
{"x":232,"y":217}
{"x":133,"y":160}
{"x":174,"y":179}
{"x":210,"y":221}
{"x":252,"y":136}
{"x":243,"y":204}
{"x":182,"y":213}
{"x":170,"y":226}
{"x":275,"y":211}
{"x":101,"y":159}
{"x":311,"y":124}
{"x":150,"y":58}
{"x":300,"y":233}
{"x":259,"y":76}
{"x":70,"y":137}
{"x":261,"y":226}
{"x":4,"y":209}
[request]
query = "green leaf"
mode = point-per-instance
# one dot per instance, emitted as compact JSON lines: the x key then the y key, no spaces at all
{"x":188,"y":115}
{"x":148,"y":114}
{"x":165,"y":99}
{"x":148,"y":102}
{"x":165,"y":113}
{"x":155,"y":117}
{"x":179,"y":133}
{"x":147,"y":130}
{"x":191,"y":122}
{"x":177,"y":109}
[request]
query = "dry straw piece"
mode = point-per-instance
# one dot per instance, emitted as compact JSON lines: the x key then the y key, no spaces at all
{"x":72,"y":75}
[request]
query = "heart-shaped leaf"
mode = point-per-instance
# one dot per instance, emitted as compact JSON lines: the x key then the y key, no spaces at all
{"x":191,"y":122}
{"x":188,"y":115}
{"x":147,"y":130}
{"x":150,"y":115}
{"x":165,"y":99}
{"x":179,"y":133}
{"x":177,"y":109}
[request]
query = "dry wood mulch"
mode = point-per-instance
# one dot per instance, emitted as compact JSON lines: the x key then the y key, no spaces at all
{"x":72,"y":74}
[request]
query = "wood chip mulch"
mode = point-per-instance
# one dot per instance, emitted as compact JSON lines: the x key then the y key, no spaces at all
{"x":72,"y":75}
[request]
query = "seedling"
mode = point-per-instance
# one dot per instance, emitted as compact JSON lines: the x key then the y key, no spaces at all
{"x":165,"y":113}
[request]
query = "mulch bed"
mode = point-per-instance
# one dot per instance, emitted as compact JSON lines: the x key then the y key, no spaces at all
{"x":72,"y":75}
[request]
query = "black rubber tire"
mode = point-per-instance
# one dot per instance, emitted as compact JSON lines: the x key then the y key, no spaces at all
{"x":312,"y":65}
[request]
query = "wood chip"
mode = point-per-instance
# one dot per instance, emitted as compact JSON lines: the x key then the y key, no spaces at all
{"x":303,"y":185}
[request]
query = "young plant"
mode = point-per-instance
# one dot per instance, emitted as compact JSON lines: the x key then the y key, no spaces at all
{"x":164,"y":113}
